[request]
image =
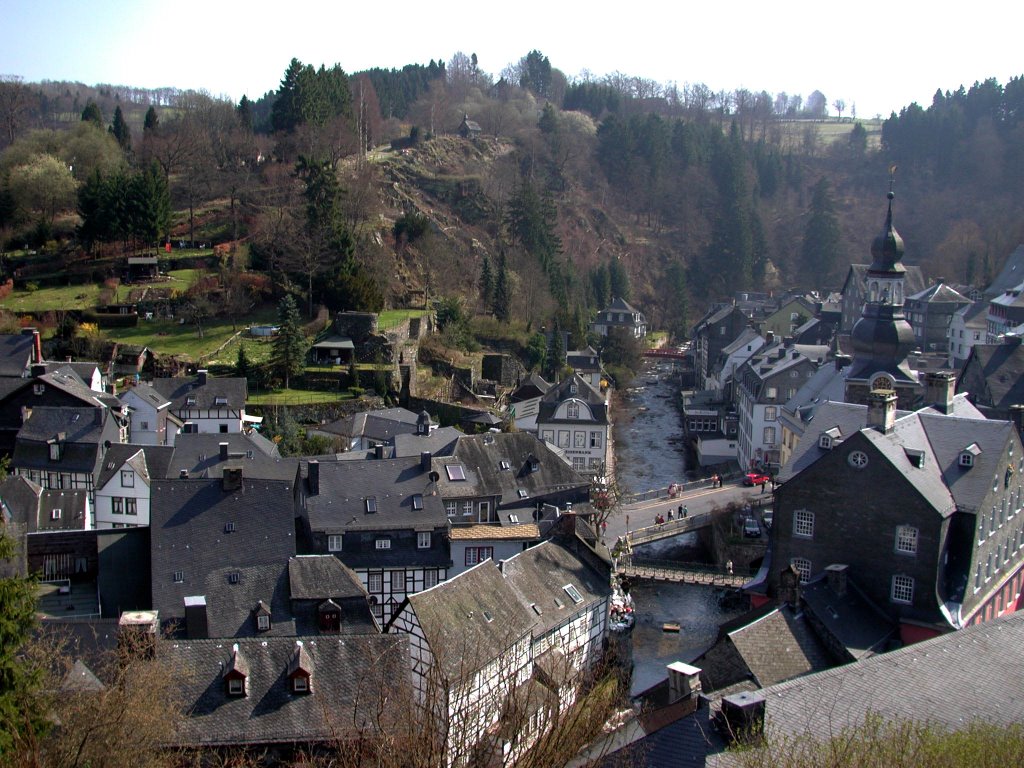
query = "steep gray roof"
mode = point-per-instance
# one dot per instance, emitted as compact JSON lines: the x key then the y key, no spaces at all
{"x":939,"y":293}
{"x":179,"y":388}
{"x":345,"y":486}
{"x":352,"y":676}
{"x":1002,"y":367}
{"x":481,"y":458}
{"x":206,"y":533}
{"x":975,"y":315}
{"x":148,"y":461}
{"x":86,"y":430}
{"x":1012,"y":273}
{"x":318,"y":577}
{"x":381,"y":425}
{"x":440,"y":442}
{"x":71,"y":506}
{"x":147,"y":394}
{"x":199,"y":453}
{"x":15,"y":353}
{"x":454,"y":619}
{"x":563,"y":391}
{"x":851,"y":619}
{"x":538,"y":577}
{"x":912,"y":683}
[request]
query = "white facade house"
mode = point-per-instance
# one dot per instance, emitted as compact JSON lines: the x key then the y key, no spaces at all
{"x":148,"y":420}
{"x":967,"y":327}
{"x":574,"y":417}
{"x":209,"y":404}
{"x":620,"y":314}
{"x":123,"y":486}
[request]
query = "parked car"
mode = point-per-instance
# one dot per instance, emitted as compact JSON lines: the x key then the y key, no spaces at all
{"x":768,"y":517}
{"x":751,"y":528}
{"x":755,"y":478}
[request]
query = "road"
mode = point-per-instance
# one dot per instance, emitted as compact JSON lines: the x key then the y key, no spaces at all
{"x":696,"y":501}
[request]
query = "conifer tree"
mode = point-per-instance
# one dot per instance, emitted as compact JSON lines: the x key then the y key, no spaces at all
{"x":502,"y":305}
{"x":242,"y":365}
{"x":119,"y":130}
{"x":818,"y":256}
{"x":289,"y":354}
{"x":486,"y":282}
{"x":151,"y":122}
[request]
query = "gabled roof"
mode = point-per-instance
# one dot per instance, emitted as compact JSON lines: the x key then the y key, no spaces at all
{"x":147,"y":394}
{"x":911,"y":684}
{"x":621,"y":305}
{"x":69,"y":382}
{"x":481,"y":457}
{"x":454,"y":619}
{"x":150,"y":462}
{"x":86,"y":431}
{"x":353,"y":676}
{"x":346,"y":486}
{"x":1010,"y":275}
{"x":539,"y":576}
{"x":1002,"y":367}
{"x":319,"y":577}
{"x":939,"y":293}
{"x":563,"y":391}
{"x":199,"y":454}
{"x":381,"y":425}
{"x":532,"y":386}
{"x":62,"y":510}
{"x":206,"y":533}
{"x":15,"y":353}
{"x":440,"y":442}
{"x":180,"y":388}
{"x":974,"y":315}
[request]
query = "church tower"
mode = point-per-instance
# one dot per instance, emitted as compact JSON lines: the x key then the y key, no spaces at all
{"x":883,"y":338}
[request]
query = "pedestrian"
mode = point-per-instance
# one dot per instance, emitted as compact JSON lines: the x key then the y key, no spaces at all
{"x":670,"y":514}
{"x":685,"y":511}
{"x":762,"y":486}
{"x":680,"y":513}
{"x":728,"y":566}
{"x":604,"y":527}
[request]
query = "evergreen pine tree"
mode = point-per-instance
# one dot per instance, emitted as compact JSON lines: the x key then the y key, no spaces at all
{"x":818,"y":257}
{"x":486,"y":282}
{"x":120,"y":131}
{"x":618,"y":280}
{"x":151,"y":122}
{"x":555,"y":357}
{"x":289,"y":354}
{"x":92,"y":114}
{"x":242,"y":365}
{"x":502,"y":305}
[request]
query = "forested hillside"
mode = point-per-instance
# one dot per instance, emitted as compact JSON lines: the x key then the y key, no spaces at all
{"x":357,"y":190}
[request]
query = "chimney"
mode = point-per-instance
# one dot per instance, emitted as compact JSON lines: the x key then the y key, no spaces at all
{"x":882,"y":410}
{"x":835,"y":574}
{"x":196,"y":626}
{"x":137,"y":632}
{"x":37,"y":344}
{"x":223,"y":451}
{"x":939,"y":389}
{"x":744,"y":716}
{"x":36,"y":369}
{"x":423,"y":423}
{"x":683,"y":681}
{"x":232,"y":479}
{"x":424,"y":461}
{"x":769,"y":338}
{"x":313,"y":477}
{"x":378,"y":451}
{"x":183,"y":474}
{"x":842,"y":361}
{"x":202,"y":375}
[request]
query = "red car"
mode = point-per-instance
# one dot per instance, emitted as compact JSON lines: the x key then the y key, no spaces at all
{"x":755,"y":478}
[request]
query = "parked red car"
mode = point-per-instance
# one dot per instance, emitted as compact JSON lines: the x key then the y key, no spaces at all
{"x":755,"y":478}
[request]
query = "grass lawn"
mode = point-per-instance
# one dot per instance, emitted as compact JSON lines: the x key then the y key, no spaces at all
{"x":171,"y":337}
{"x":296,"y":397}
{"x":393,"y":317}
{"x":63,"y":297}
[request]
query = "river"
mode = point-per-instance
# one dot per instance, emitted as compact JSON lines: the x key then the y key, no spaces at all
{"x":649,"y":454}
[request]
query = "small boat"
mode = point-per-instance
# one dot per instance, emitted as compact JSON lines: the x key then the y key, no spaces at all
{"x":671,"y":626}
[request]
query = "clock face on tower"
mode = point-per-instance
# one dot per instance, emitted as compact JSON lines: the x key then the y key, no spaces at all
{"x":857,"y":459}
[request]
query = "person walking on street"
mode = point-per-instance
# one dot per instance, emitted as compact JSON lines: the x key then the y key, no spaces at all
{"x":685,"y":511}
{"x":762,"y":486}
{"x":680,"y":512}
{"x":670,"y":514}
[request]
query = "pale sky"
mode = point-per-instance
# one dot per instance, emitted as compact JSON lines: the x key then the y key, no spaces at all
{"x":879,"y":55}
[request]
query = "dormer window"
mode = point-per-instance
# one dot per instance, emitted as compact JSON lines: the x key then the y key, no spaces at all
{"x":55,"y":514}
{"x":572,"y":411}
{"x":236,"y":674}
{"x":55,"y":451}
{"x":504,"y":465}
{"x":220,"y":400}
{"x":825,"y":441}
{"x":190,"y":400}
{"x":300,"y":670}
{"x":329,"y":617}
{"x":967,"y":455}
{"x":573,"y":388}
{"x":262,"y":614}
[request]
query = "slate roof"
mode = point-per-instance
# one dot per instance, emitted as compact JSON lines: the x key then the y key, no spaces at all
{"x":15,"y":354}
{"x":440,"y":442}
{"x":191,"y":533}
{"x":68,"y":381}
{"x":538,"y":576}
{"x":72,"y":506}
{"x":352,"y":677}
{"x":1002,"y":366}
{"x":179,"y":388}
{"x":381,"y":425}
{"x":562,"y":392}
{"x":340,"y":505}
{"x":318,"y":577}
{"x":939,"y":293}
{"x":481,"y":457}
{"x":975,"y":315}
{"x":150,"y":462}
{"x":949,"y":681}
{"x":453,"y":618}
{"x":199,"y":453}
{"x":771,"y":647}
{"x":851,"y":618}
{"x":621,"y":305}
{"x":20,"y":499}
{"x":530,"y":387}
{"x":148,"y":395}
{"x":85,"y":430}
{"x":1011,"y":275}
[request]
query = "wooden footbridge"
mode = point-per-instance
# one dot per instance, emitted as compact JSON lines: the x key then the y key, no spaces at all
{"x":679,"y":573}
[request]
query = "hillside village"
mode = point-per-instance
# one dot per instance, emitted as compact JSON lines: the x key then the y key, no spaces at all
{"x":345,"y":493}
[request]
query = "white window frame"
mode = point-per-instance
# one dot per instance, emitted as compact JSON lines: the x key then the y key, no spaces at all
{"x":902,"y":590}
{"x":803,"y":567}
{"x":335,"y":542}
{"x":382,"y":544}
{"x":236,"y":687}
{"x":906,"y":539}
{"x":423,"y":540}
{"x":451,"y":508}
{"x":803,"y":523}
{"x":131,"y":506}
{"x":263,"y":622}
{"x":116,"y":505}
{"x":127,"y":478}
